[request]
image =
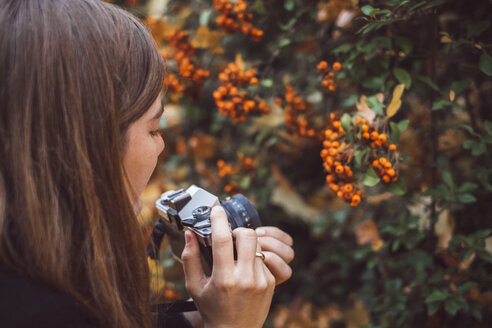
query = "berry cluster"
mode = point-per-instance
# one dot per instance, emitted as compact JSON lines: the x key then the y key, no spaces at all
{"x":236,"y":103}
{"x":296,"y":113}
{"x":384,"y":169}
{"x":328,"y":76}
{"x":335,"y":161}
{"x":246,"y":166}
{"x":172,"y":84}
{"x":236,"y":18}
{"x":179,"y":40}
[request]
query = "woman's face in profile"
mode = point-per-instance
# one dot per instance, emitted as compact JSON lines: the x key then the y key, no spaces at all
{"x":143,"y":146}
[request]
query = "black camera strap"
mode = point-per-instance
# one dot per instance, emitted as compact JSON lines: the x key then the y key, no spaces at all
{"x":158,"y":233}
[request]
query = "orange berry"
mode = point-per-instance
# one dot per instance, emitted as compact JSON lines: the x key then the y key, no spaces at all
{"x":340,"y":194}
{"x":382,"y":137}
{"x":324,"y":153}
{"x":365,"y":128}
{"x":388,"y":165}
{"x":332,"y":116}
{"x":327,"y":143}
{"x":331,"y":87}
{"x":332,"y":152}
{"x":329,"y":178}
{"x":220,"y":163}
{"x":383,"y":160}
{"x":339,"y":169}
{"x":348,"y":188}
{"x":392,"y":147}
{"x":386,"y":178}
{"x":328,"y":132}
{"x":322,"y":66}
{"x":337,"y":66}
{"x":391,"y":172}
{"x":358,"y":121}
{"x":335,"y":144}
{"x":337,"y":124}
{"x":375,"y":163}
{"x":366,"y":135}
{"x":334,"y":187}
{"x":394,"y":179}
{"x":374,"y":135}
{"x":253,"y":80}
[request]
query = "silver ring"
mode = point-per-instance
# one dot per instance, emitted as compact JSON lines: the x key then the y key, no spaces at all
{"x":260,"y":255}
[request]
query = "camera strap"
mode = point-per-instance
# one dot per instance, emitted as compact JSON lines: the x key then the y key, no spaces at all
{"x":158,"y":233}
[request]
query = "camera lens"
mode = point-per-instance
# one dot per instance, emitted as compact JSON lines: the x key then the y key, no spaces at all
{"x":240,"y":212}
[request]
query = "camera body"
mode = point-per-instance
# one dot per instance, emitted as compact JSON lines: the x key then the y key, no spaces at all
{"x":190,"y":209}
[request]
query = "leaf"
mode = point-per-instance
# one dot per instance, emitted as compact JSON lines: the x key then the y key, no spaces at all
{"x":345,"y":121}
{"x":466,"y":198}
{"x":403,"y":125}
{"x":460,"y":86}
{"x":403,"y":77}
{"x":205,"y":17}
{"x":240,"y":62}
{"x":445,"y":38}
{"x":395,"y":103}
{"x":441,"y":104}
{"x":432,"y":4}
{"x":284,"y":42}
{"x":398,"y":188}
{"x":395,"y":132}
{"x":208,"y":39}
{"x":367,"y":10}
{"x":466,"y":287}
{"x":404,"y":44}
{"x":468,"y":144}
{"x":467,"y":186}
{"x":374,"y":82}
{"x":371,"y":178}
{"x":436,"y":296}
{"x":375,"y":104}
{"x":452,"y":95}
{"x":429,"y":82}
{"x":364,"y":110}
{"x":259,"y":7}
{"x":267,"y":83}
{"x":478,"y":148}
{"x":485,"y":64}
{"x":477,"y":28}
{"x":289,"y":5}
{"x":448,"y":178}
{"x":443,"y":229}
{"x":367,"y":232}
{"x":452,"y":305}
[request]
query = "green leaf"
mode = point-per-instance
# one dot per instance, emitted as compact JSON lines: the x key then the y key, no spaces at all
{"x":205,"y":17}
{"x":485,"y":255}
{"x":245,"y":182}
{"x":441,"y":104}
{"x":467,"y":186}
{"x":432,"y":4}
{"x":429,"y":82}
{"x":288,"y":25}
{"x":371,"y":178}
{"x":478,"y":148}
{"x":403,"y":125}
{"x":448,"y":178}
{"x":460,"y":86}
{"x":466,"y":287}
{"x":403,"y":77}
{"x":466,"y":198}
{"x":433,"y":307}
{"x":374,"y":82}
{"x":477,"y":28}
{"x":358,"y":154}
{"x":452,"y":305}
{"x":345,"y":121}
{"x":468,"y":128}
{"x":404,"y":44}
{"x":468,"y":144}
{"x":485,"y":64}
{"x":488,"y":127}
{"x":267,"y":83}
{"x":398,"y":188}
{"x":374,"y":104}
{"x":259,"y":7}
{"x":289,"y":5}
{"x":343,"y":48}
{"x":284,"y":42}
{"x":367,"y":10}
{"x":395,"y":132}
{"x":436,"y":296}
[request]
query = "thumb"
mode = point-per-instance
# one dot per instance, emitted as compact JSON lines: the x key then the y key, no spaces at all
{"x":192,"y":266}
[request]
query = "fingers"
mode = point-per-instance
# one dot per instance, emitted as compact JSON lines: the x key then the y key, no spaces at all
{"x":280,"y":270}
{"x":222,"y":249}
{"x":274,"y":245}
{"x":191,"y":262}
{"x":275,"y":233}
{"x":246,"y":247}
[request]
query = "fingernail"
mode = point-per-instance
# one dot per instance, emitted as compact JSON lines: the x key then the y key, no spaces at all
{"x":260,"y":232}
{"x":188,"y":236}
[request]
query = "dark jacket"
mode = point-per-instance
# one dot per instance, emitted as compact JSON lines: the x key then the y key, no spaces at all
{"x":28,"y":303}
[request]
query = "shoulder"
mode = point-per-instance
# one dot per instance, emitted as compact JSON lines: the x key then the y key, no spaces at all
{"x":28,"y":303}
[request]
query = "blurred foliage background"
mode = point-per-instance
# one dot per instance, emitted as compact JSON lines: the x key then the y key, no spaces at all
{"x":362,"y":128}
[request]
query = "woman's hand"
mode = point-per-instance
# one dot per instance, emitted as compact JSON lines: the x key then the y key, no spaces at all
{"x":277,"y":247}
{"x":237,"y":294}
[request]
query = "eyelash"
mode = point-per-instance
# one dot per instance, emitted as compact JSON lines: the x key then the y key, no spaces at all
{"x":155,"y":133}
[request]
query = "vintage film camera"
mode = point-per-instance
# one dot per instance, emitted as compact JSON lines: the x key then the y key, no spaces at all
{"x":190,"y":209}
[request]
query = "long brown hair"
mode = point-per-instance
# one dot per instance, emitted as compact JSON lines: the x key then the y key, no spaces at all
{"x":74,"y":74}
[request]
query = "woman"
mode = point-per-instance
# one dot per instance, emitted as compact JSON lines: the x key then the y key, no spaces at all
{"x":79,"y":139}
